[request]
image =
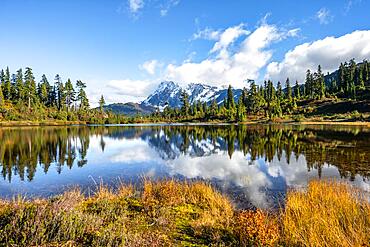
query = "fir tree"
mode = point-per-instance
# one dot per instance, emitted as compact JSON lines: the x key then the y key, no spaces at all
{"x":30,"y":87}
{"x":101,"y":104}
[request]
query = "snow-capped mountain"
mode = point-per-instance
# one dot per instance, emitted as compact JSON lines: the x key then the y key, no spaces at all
{"x":169,"y":92}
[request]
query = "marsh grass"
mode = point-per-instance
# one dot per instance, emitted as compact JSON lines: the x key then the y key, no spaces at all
{"x":170,"y":213}
{"x":329,"y":213}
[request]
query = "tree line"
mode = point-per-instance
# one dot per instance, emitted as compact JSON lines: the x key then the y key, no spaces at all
{"x":350,"y":81}
{"x":23,"y":98}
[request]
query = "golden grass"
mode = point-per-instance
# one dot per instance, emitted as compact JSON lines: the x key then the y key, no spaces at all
{"x":328,"y":214}
{"x":170,"y":213}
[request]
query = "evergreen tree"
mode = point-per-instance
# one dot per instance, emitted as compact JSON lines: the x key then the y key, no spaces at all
{"x":279,"y":92}
{"x":69,"y":94}
{"x":59,"y":92}
{"x":230,"y":99}
{"x":43,"y":90}
{"x":81,"y":96}
{"x":297,"y":91}
{"x":19,"y":92}
{"x":101,"y":104}
{"x":185,"y":103}
{"x":240,"y":110}
{"x":1,"y":95}
{"x":288,"y":90}
{"x":214,"y":107}
{"x":320,"y":83}
{"x":30,"y":87}
{"x":7,"y":85}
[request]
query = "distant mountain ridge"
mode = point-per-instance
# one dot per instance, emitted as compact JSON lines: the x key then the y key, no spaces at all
{"x":169,"y":93}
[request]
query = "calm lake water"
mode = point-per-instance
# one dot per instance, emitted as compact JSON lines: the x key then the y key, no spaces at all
{"x":254,"y":165}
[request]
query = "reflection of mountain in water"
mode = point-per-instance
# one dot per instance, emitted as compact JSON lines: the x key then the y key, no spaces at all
{"x":346,"y":148}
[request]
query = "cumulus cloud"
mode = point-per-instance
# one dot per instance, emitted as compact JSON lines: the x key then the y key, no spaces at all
{"x":150,"y":66}
{"x":327,"y":52}
{"x":231,"y":66}
{"x":324,"y":16}
{"x":135,"y":5}
{"x":137,"y":88}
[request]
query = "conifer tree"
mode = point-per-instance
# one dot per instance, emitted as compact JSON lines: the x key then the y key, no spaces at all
{"x":297,"y":91}
{"x":69,"y":94}
{"x":279,"y":91}
{"x":7,"y":85}
{"x":30,"y":87}
{"x":101,"y":104}
{"x":185,"y":103}
{"x":288,"y":90}
{"x":19,"y":92}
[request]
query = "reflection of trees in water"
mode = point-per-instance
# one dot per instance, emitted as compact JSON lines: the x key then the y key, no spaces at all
{"x":347,"y":148}
{"x":22,"y":150}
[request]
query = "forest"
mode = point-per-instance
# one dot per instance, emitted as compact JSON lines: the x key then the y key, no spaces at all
{"x":347,"y":90}
{"x":22,"y":98}
{"x":350,"y":83}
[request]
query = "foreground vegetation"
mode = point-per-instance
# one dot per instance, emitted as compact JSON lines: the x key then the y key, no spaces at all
{"x":172,"y":213}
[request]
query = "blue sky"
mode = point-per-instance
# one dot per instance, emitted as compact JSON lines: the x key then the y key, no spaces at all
{"x":124,"y":48}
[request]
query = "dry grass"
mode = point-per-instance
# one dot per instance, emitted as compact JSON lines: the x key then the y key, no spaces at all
{"x":327,"y":214}
{"x":169,"y":213}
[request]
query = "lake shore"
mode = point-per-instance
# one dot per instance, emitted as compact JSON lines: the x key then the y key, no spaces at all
{"x":40,"y":123}
{"x":176,"y":213}
{"x":285,"y":121}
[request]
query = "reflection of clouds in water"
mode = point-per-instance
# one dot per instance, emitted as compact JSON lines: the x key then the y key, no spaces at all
{"x":253,"y":176}
{"x":128,"y":151}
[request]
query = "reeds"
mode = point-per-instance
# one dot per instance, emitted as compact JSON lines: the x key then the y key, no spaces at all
{"x":170,"y":213}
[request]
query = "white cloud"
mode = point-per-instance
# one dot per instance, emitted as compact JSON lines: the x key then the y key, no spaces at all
{"x":227,"y":38}
{"x":324,"y":16}
{"x":137,"y":88}
{"x":207,"y":33}
{"x":327,"y":52}
{"x":135,"y":5}
{"x":231,"y":66}
{"x":150,"y":66}
{"x":167,"y":5}
{"x":122,"y":91}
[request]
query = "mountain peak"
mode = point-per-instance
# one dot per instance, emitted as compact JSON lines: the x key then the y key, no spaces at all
{"x":169,"y":93}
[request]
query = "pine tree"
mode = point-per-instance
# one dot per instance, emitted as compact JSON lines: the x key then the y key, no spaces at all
{"x":240,"y":110}
{"x":185,"y":104}
{"x":288,"y":90}
{"x":101,"y":104}
{"x":69,"y":94}
{"x":279,"y":92}
{"x":19,"y":92}
{"x":43,"y":90}
{"x":297,"y":91}
{"x":30,"y":87}
{"x":1,"y":95}
{"x":230,"y":99}
{"x":7,"y":85}
{"x":81,"y":96}
{"x":320,"y":83}
{"x":214,"y":107}
{"x":59,"y":92}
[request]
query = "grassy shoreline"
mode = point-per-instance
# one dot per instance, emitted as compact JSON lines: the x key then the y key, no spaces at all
{"x":169,"y":213}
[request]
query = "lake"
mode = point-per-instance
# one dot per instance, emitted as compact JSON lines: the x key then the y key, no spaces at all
{"x":253,"y":164}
